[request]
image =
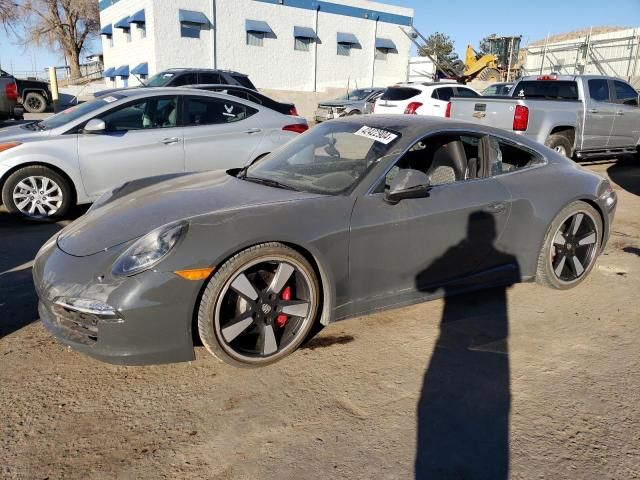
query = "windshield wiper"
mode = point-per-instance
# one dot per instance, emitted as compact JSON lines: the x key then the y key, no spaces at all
{"x":269,"y":182}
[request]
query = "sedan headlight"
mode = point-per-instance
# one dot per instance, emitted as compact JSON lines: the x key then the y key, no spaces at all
{"x":149,"y":250}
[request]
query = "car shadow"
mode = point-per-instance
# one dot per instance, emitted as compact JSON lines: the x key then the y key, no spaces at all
{"x":20,"y":240}
{"x":464,"y":407}
{"x":626,"y":174}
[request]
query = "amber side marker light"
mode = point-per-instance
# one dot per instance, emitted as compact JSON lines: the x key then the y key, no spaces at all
{"x":195,"y":274}
{"x":7,"y":146}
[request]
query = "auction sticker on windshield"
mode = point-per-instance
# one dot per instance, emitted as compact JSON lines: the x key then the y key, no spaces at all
{"x":377,"y":134}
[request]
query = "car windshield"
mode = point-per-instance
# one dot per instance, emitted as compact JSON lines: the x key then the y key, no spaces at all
{"x":357,"y":95}
{"x":73,"y":113}
{"x":330,"y":159}
{"x":159,"y":79}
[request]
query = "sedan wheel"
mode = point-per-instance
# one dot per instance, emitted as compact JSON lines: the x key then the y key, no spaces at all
{"x":37,"y":192}
{"x":259,"y":306}
{"x":571,"y":247}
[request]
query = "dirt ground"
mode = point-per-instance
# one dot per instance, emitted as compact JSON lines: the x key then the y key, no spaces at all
{"x":525,"y":384}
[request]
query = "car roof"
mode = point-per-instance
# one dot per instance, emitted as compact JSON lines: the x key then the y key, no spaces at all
{"x":424,"y":86}
{"x":208,"y":70}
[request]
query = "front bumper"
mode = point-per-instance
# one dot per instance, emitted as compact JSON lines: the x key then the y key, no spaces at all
{"x":154,"y":309}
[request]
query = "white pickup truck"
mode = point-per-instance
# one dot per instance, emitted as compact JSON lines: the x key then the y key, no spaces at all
{"x":576,"y":115}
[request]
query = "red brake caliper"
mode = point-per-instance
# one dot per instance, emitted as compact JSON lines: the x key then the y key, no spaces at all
{"x":282,"y":318}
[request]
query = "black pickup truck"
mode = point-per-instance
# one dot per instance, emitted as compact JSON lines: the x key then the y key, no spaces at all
{"x":34,"y":95}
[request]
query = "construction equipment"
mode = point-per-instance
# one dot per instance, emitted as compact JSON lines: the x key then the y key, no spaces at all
{"x":494,"y":66}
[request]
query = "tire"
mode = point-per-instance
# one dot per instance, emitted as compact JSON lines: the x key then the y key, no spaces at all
{"x":26,"y":185}
{"x":560,"y":144}
{"x":353,"y":112}
{"x":560,"y":241}
{"x":34,"y":102}
{"x":489,"y":75}
{"x":236,"y":328}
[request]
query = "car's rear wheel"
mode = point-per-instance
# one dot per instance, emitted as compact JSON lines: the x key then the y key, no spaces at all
{"x":37,"y":192}
{"x":259,"y":306}
{"x":35,"y":102}
{"x":571,"y":246}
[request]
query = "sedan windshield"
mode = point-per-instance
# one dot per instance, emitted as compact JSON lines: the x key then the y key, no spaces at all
{"x":73,"y":113}
{"x":357,"y":95}
{"x":330,"y":159}
{"x":159,"y":79}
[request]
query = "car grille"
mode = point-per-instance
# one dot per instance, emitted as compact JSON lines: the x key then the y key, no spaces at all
{"x":76,"y":326}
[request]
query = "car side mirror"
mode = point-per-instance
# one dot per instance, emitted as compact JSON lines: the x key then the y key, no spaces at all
{"x":408,"y":183}
{"x":95,"y":125}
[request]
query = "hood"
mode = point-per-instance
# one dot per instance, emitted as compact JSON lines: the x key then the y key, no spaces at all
{"x":340,"y":103}
{"x":19,"y":133}
{"x":182,"y":197}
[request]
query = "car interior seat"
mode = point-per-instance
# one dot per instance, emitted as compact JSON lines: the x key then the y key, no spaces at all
{"x":449,"y":164}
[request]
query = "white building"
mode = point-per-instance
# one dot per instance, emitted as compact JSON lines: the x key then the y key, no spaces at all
{"x":306,"y":45}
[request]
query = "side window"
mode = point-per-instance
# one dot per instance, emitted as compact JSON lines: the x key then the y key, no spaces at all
{"x":503,"y":157}
{"x":435,"y":95}
{"x":625,"y":94}
{"x":599,"y":90}
{"x":465,"y":92}
{"x":254,"y":99}
{"x":445,"y":93}
{"x":209,"y":78}
{"x":212,"y":111}
{"x":185,"y":79}
{"x":445,"y":159}
{"x":155,"y":112}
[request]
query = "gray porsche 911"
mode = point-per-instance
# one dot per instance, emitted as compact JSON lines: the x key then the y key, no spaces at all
{"x":356,"y":215}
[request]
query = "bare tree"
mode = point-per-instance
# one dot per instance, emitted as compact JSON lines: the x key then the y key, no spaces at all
{"x":7,"y":11}
{"x":66,"y":24}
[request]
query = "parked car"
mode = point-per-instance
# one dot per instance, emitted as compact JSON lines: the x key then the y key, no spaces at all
{"x":581,"y":115}
{"x":501,"y":89}
{"x":251,"y":95}
{"x":359,"y":214}
{"x":84,"y":151}
{"x":34,"y":95}
{"x":178,"y":77}
{"x":355,"y":102}
{"x":427,"y":98}
{"x":9,"y":108}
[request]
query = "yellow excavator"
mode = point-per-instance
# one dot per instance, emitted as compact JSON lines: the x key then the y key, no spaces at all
{"x":494,"y":66}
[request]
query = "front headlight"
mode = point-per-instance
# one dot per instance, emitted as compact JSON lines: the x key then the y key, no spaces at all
{"x":149,"y":250}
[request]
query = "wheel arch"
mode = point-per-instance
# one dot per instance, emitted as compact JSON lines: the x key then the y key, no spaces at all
{"x":41,"y":91}
{"x":566,"y":130}
{"x":58,"y":170}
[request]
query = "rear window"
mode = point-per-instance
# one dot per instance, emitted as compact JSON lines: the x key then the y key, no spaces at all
{"x":465,"y":92}
{"x":551,"y":89}
{"x":244,"y":81}
{"x":399,"y":93}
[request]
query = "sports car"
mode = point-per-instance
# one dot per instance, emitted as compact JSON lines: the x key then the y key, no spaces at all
{"x":356,"y":215}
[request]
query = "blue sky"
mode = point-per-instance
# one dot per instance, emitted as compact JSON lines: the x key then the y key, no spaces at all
{"x":465,"y":21}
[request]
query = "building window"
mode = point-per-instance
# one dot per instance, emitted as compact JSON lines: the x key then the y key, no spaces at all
{"x":142,"y":30}
{"x":127,"y":34}
{"x":190,"y":29}
{"x":255,"y":39}
{"x":344,"y":49}
{"x":302,"y":44}
{"x":381,"y":54}
{"x":110,"y":41}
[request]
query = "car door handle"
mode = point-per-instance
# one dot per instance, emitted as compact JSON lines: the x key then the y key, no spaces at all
{"x":496,"y":207}
{"x":619,"y":112}
{"x":593,"y":110}
{"x":253,"y":130}
{"x":170,"y":141}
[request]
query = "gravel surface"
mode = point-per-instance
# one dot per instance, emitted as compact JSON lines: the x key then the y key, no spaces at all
{"x":527,"y":383}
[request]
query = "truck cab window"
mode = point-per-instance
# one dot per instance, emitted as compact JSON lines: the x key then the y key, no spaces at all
{"x":599,"y":90}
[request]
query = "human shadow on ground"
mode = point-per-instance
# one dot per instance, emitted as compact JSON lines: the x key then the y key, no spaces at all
{"x":463,"y":411}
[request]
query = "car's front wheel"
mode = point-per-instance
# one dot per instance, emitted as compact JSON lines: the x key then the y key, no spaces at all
{"x":37,"y":192}
{"x":259,"y":306}
{"x":570,"y":247}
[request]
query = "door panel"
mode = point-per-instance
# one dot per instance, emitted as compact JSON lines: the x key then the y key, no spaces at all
{"x":220,"y":134}
{"x":400,"y":248}
{"x":599,"y":115}
{"x":626,"y":123}
{"x":142,"y":140}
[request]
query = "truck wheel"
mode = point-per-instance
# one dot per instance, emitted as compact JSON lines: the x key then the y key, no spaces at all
{"x":560,"y":144}
{"x":489,"y":75}
{"x":37,"y":192}
{"x":35,"y":102}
